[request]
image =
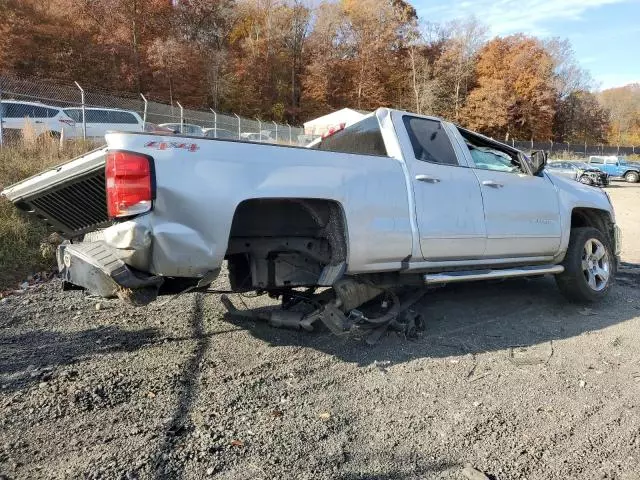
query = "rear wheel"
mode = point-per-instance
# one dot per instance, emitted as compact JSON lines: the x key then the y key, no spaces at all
{"x":589,"y":266}
{"x":632,"y":177}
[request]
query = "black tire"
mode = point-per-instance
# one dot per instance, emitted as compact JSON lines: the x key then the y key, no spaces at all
{"x":573,"y":282}
{"x":632,"y":177}
{"x":586,"y":180}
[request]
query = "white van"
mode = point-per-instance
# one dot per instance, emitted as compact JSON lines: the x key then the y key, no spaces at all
{"x":101,"y":120}
{"x":44,"y":119}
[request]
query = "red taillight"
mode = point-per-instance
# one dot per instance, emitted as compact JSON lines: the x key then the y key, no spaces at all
{"x":129,"y":187}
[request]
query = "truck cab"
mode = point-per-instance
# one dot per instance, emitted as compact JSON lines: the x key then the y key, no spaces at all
{"x":616,"y":167}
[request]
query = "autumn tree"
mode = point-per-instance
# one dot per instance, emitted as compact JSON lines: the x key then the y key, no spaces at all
{"x":124,"y":29}
{"x":323,"y":79}
{"x":424,"y":46}
{"x":289,"y":60}
{"x":456,"y":65}
{"x":623,"y":104}
{"x":580,"y":118}
{"x":204,"y":26}
{"x":357,"y":55}
{"x":515,"y":93}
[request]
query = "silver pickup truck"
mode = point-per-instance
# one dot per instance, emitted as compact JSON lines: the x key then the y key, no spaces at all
{"x":395,"y":199}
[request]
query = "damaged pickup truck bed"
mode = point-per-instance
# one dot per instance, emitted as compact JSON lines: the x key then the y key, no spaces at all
{"x":394,"y":200}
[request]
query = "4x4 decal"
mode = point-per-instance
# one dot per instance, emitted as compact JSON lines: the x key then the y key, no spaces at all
{"x":190,"y":147}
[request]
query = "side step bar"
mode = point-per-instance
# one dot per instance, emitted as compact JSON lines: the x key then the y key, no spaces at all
{"x":452,"y":277}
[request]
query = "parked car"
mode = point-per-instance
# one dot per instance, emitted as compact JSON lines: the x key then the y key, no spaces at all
{"x":262,"y":136}
{"x":252,"y":136}
{"x":99,"y":121}
{"x":394,"y":200}
{"x":153,"y":128}
{"x":44,"y":119}
{"x":220,"y":133}
{"x":616,"y":167}
{"x":185,"y":129}
{"x":579,"y":171}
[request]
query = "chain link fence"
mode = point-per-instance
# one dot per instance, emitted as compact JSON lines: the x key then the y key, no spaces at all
{"x":214,"y":124}
{"x":575,"y":149}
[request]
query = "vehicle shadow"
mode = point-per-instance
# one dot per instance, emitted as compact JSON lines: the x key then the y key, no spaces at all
{"x":180,"y":422}
{"x":472,"y":318}
{"x":34,"y":355}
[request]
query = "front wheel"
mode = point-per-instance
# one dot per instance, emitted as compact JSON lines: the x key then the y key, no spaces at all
{"x":632,"y":177}
{"x":589,"y":266}
{"x":586,"y":180}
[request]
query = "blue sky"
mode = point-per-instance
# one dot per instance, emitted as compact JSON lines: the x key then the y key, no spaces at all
{"x":605,"y":33}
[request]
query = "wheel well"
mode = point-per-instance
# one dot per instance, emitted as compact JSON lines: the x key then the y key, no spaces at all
{"x":592,"y":217}
{"x":629,"y":171}
{"x":269,"y":236}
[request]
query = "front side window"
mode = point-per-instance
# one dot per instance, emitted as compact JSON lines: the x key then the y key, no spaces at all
{"x":490,"y":155}
{"x":487,"y":158}
{"x":364,"y":138}
{"x":22,"y":110}
{"x":429,"y":140}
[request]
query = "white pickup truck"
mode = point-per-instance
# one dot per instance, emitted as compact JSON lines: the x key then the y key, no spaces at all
{"x":395,"y":199}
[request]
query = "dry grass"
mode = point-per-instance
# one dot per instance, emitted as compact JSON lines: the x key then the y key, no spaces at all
{"x":24,"y":248}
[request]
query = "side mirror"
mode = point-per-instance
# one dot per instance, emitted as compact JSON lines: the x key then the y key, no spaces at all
{"x":538,"y":161}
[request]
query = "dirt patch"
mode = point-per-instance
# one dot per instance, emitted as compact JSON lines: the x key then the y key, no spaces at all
{"x":507,"y":377}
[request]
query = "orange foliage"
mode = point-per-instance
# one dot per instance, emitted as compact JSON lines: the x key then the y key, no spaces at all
{"x":515,"y":96}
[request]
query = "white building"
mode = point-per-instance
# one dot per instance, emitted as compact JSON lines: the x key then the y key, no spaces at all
{"x":321,"y":125}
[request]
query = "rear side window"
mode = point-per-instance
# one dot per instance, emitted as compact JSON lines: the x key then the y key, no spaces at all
{"x":364,"y":138}
{"x":121,"y":117}
{"x":96,"y":116}
{"x":596,"y":160}
{"x":21,"y":110}
{"x":429,"y":141}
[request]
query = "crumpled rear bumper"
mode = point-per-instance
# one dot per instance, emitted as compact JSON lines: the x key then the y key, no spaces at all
{"x":98,"y":268}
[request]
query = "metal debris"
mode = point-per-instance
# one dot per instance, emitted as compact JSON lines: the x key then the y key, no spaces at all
{"x":341,"y":312}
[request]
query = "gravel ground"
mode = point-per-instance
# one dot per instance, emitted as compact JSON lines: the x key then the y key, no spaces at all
{"x":507,"y":377}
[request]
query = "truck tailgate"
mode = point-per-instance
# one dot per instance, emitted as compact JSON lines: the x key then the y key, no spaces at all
{"x":71,"y":197}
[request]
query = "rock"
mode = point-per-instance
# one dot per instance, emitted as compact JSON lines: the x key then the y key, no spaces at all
{"x":582,"y":384}
{"x":473,"y":474}
{"x":210,"y":471}
{"x":24,"y":285}
{"x":98,"y":306}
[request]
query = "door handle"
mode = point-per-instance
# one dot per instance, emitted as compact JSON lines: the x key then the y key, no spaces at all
{"x":427,"y":179}
{"x":492,"y":184}
{"x":38,"y":121}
